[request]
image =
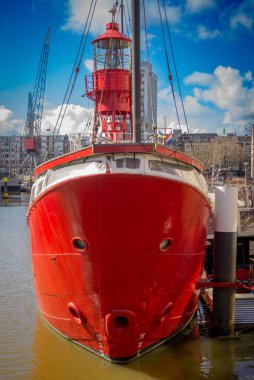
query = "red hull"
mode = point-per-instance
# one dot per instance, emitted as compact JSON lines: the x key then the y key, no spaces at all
{"x":122,"y":294}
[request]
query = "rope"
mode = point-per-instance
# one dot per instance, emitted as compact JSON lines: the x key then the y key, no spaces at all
{"x":149,"y":76}
{"x":76,"y":70}
{"x":173,"y":56}
{"x":168,"y":65}
{"x":129,"y":17}
{"x":88,"y":121}
{"x":126,"y":24}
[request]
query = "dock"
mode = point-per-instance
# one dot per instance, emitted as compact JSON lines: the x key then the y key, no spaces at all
{"x":244,"y":307}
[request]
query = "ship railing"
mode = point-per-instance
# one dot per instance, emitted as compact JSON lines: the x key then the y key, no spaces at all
{"x":245,"y":222}
{"x":80,"y":140}
{"x":116,"y":137}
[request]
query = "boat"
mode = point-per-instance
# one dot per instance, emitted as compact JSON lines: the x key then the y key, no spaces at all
{"x":118,"y":228}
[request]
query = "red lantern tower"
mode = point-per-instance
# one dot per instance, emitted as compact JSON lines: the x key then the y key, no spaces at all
{"x":110,"y":87}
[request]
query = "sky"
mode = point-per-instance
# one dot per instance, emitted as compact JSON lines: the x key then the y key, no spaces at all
{"x":213,"y":44}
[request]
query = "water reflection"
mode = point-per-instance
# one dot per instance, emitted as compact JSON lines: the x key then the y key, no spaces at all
{"x":29,"y":349}
{"x":60,"y":357}
{"x":185,"y":357}
{"x":12,"y":201}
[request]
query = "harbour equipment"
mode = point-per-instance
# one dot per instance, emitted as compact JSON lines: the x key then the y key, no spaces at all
{"x":118,"y":229}
{"x":32,"y":129}
{"x":228,"y":284}
{"x":225,"y":246}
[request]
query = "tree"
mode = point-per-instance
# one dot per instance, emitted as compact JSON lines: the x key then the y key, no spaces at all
{"x":248,"y":128}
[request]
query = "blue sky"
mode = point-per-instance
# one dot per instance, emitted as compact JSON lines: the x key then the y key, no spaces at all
{"x":213,"y":43}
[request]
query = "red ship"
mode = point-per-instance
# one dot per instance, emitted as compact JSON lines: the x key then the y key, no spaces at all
{"x":118,"y":229}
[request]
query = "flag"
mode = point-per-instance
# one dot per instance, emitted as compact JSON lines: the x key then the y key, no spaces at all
{"x":166,"y":139}
{"x":161,"y":135}
{"x":169,"y":138}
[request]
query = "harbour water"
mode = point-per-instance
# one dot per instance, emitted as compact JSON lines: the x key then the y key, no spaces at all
{"x":29,"y":349}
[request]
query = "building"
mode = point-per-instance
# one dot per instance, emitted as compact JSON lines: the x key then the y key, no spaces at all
{"x":10,"y":155}
{"x":79,"y":140}
{"x":148,"y":95}
{"x":228,"y":155}
{"x":51,"y":146}
{"x":13,"y":153}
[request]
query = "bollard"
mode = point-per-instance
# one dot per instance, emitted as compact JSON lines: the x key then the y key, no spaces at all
{"x":246,"y":197}
{"x":225,"y":246}
{"x":5,"y":193}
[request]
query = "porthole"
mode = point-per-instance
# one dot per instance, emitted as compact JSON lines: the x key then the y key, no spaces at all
{"x":165,"y":244}
{"x":79,"y":244}
{"x":121,"y":322}
{"x":75,"y":312}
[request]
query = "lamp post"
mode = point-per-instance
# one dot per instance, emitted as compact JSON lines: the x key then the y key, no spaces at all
{"x":212,"y":166}
{"x":245,"y":164}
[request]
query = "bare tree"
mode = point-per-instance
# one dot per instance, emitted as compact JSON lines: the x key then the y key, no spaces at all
{"x":248,"y":127}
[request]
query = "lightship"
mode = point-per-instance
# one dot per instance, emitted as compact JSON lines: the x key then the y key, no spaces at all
{"x":118,"y":229}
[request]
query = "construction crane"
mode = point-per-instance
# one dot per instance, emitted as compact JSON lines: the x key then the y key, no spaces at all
{"x":32,"y":129}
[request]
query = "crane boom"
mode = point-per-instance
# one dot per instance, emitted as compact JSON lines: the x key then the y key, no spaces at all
{"x":40,"y":84}
{"x":32,"y":128}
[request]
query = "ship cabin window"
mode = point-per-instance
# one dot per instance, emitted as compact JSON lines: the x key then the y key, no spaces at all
{"x":32,"y":194}
{"x":76,"y":169}
{"x":167,"y":167}
{"x":132,"y":163}
{"x":183,"y":171}
{"x":128,"y":163}
{"x":120,"y":163}
{"x":39,"y":187}
{"x":48,"y":177}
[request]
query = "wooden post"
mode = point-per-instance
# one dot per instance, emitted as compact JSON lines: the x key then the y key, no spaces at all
{"x":225,"y":245}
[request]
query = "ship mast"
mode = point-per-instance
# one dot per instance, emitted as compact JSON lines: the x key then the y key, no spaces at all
{"x":136,"y":81}
{"x":122,"y":26}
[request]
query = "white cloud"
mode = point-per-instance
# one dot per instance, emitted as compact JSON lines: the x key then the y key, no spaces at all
{"x":198,"y":78}
{"x":78,"y":12}
{"x":195,"y":6}
{"x":199,"y":117}
{"x":89,"y":64}
{"x":227,"y":89}
{"x":164,"y":94}
{"x":241,"y":19}
{"x":248,"y":76}
{"x":224,"y":98}
{"x":205,"y":34}
{"x":150,"y":37}
{"x":228,"y":93}
{"x":193,"y":108}
{"x":173,"y":12}
{"x":243,"y":15}
{"x":73,"y":122}
{"x":9,"y":125}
